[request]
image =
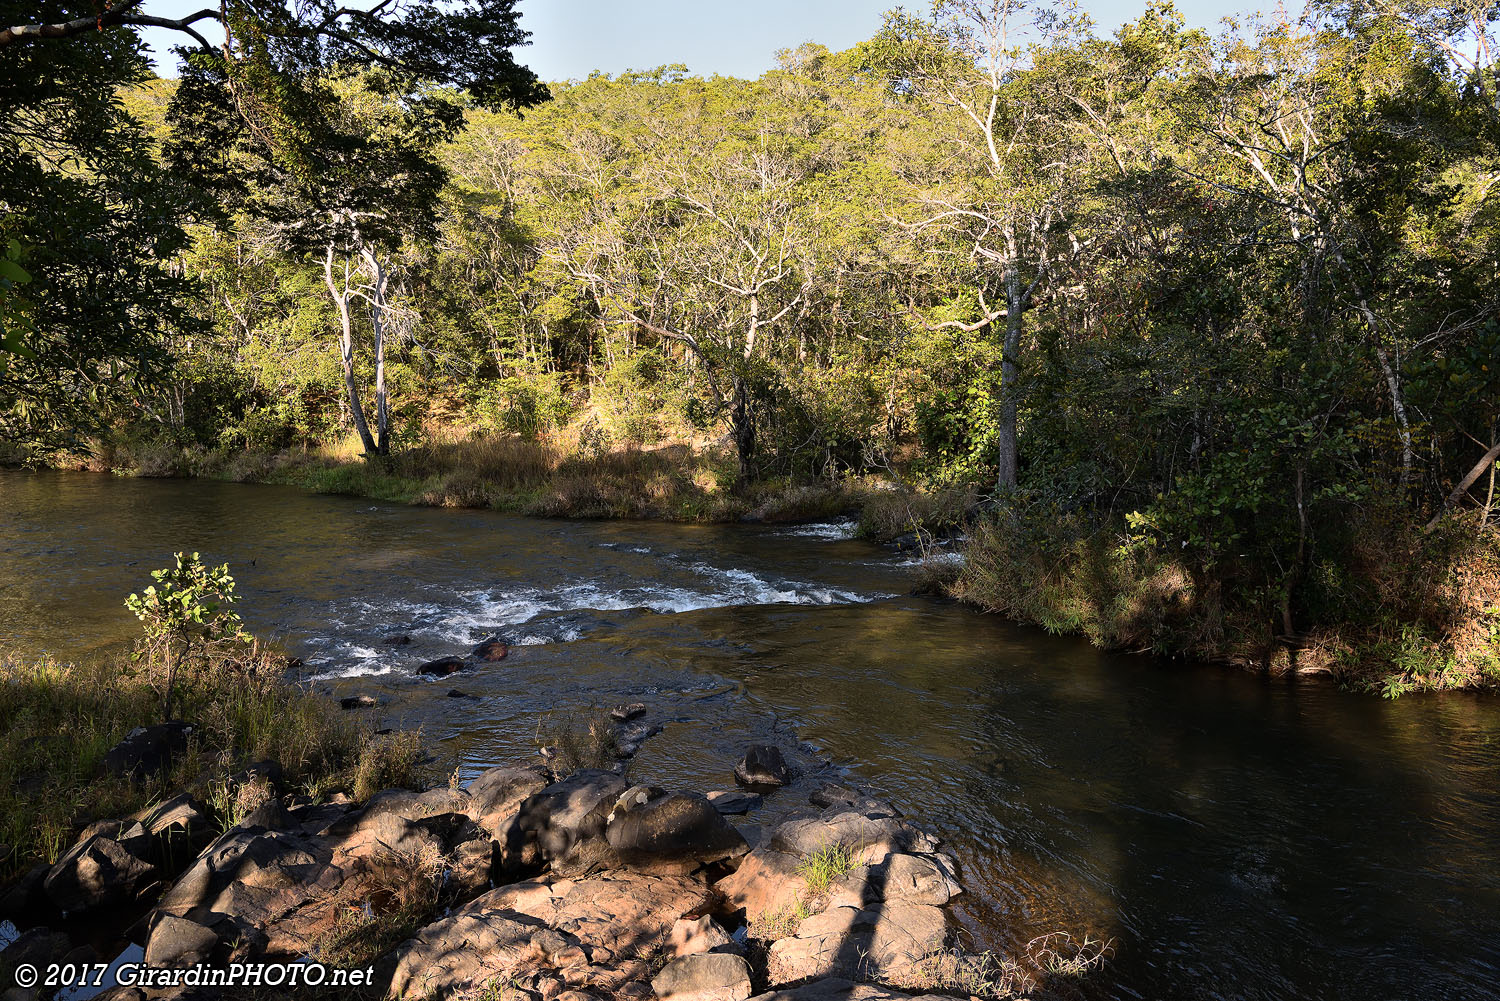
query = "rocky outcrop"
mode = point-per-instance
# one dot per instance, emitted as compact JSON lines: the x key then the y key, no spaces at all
{"x":586,"y":934}
{"x":496,"y":795}
{"x":888,"y":940}
{"x":605,"y":890}
{"x":114,"y":861}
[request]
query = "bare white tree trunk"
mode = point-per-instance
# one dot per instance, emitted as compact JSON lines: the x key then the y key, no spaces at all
{"x":340,"y":295}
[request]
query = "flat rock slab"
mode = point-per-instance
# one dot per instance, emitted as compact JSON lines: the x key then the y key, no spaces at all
{"x":589,"y":932}
{"x":886,"y":942}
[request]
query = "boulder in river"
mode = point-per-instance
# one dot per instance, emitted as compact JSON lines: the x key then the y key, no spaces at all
{"x":147,"y":750}
{"x":490,"y":650}
{"x":627,"y":712}
{"x":358,"y":702}
{"x":631,"y":737}
{"x":734,"y":801}
{"x":677,"y":831}
{"x":442,"y":667}
{"x":762,"y":765}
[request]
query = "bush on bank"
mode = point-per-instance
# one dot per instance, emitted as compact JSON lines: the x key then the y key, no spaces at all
{"x":58,"y":720}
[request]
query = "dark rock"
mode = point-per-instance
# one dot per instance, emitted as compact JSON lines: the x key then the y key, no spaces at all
{"x":147,"y":750}
{"x":734,"y":801}
{"x":630,"y":738}
{"x":25,"y":903}
{"x":454,"y":693}
{"x":442,"y":667}
{"x":178,"y":942}
{"x":358,"y":702}
{"x":397,"y":639}
{"x":270,"y":815}
{"x":624,"y":713}
{"x":490,"y":650}
{"x":720,"y":976}
{"x":762,"y":765}
{"x":37,"y":947}
{"x":673,"y":828}
{"x":97,"y":872}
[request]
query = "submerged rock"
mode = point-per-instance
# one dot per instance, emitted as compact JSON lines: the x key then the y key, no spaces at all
{"x":734,"y":801}
{"x":358,"y":702}
{"x":762,"y":765}
{"x":490,"y":650}
{"x":442,"y":667}
{"x":632,"y":736}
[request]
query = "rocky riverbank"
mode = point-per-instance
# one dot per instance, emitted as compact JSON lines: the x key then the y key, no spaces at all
{"x":532,"y":881}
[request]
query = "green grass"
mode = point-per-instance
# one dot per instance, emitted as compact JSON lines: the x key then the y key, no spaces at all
{"x":824,"y":866}
{"x":57,"y":721}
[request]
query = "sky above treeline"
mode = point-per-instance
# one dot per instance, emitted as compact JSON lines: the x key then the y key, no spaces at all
{"x":572,"y":38}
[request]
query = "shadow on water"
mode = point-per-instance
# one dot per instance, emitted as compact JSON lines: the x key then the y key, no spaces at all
{"x":1237,"y":838}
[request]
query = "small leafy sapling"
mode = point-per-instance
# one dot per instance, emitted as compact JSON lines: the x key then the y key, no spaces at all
{"x":186,"y":615}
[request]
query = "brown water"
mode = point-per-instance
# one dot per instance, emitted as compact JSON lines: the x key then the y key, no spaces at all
{"x":1238,"y":838}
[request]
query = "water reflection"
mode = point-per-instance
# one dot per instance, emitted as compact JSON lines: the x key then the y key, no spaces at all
{"x":1238,"y":838}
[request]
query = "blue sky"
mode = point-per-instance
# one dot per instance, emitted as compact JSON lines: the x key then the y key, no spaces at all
{"x":570,"y":38}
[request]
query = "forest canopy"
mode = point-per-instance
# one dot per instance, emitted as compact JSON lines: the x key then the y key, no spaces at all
{"x":1205,"y":323}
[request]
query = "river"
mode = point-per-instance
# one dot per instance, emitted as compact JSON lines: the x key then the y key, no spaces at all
{"x":1237,"y":837}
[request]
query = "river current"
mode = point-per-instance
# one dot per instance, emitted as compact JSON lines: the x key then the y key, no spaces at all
{"x":1236,"y":837}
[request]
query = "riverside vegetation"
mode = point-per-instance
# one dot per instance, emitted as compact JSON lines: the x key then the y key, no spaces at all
{"x":1195,"y":333}
{"x":258,"y":826}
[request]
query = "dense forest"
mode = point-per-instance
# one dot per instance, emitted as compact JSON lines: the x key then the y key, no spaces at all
{"x":1191,"y":337}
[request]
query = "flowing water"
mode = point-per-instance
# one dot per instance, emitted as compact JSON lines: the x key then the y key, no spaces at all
{"x":1238,"y":838}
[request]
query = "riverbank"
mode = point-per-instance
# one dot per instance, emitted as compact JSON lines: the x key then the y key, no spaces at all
{"x":683,"y":482}
{"x":550,"y":880}
{"x":1407,"y":610}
